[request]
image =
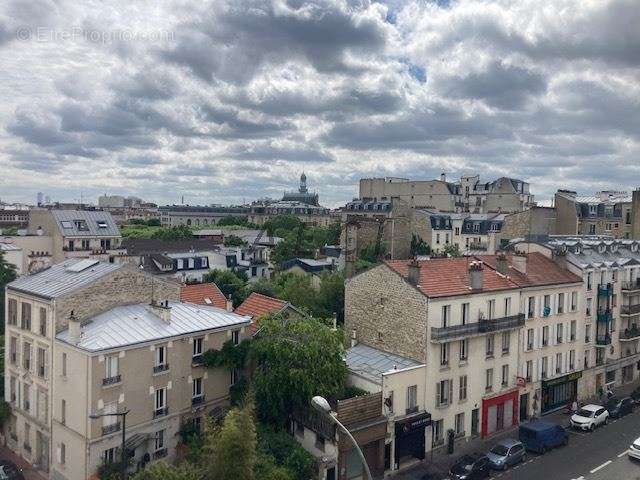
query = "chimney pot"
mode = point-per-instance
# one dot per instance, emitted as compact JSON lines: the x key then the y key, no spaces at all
{"x":475,"y":275}
{"x":414,"y":272}
{"x":502,"y":265}
{"x":74,"y":329}
{"x":520,"y":262}
{"x":229,"y":304}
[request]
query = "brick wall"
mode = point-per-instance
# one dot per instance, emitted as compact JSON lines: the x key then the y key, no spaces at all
{"x":386,"y":312}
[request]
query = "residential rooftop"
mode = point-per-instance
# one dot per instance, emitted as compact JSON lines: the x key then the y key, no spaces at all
{"x":85,"y":223}
{"x":203,"y":294}
{"x":540,"y":270}
{"x":370,"y":363}
{"x":128,"y":325}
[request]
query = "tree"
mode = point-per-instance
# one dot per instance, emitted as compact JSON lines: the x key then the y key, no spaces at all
{"x":451,"y":250}
{"x":234,"y":241}
{"x":280,"y":225}
{"x":330,"y":296}
{"x":173,"y":233}
{"x":293,"y":362}
{"x":163,"y":471}
{"x":7,"y":275}
{"x":419,"y":246}
{"x":229,"y":451}
{"x":229,"y":283}
{"x":296,"y":289}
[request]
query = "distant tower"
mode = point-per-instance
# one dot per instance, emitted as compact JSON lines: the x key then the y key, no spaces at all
{"x":40,"y":197}
{"x":303,"y":183}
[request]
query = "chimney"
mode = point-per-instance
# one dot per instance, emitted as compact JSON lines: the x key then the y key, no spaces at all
{"x":560,"y":258}
{"x":502,"y":264}
{"x":519,"y":261}
{"x":229,"y":304}
{"x":161,"y":310}
{"x":443,"y":177}
{"x":354,"y":340}
{"x":74,"y":329}
{"x":414,"y":272}
{"x":475,"y":275}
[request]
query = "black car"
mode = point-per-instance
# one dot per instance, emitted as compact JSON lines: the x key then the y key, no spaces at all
{"x":619,"y":407}
{"x":471,"y":467}
{"x":10,"y":471}
{"x":635,"y":395}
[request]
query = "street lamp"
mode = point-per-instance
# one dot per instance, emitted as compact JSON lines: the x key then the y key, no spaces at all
{"x":123,"y":414}
{"x":321,"y":404}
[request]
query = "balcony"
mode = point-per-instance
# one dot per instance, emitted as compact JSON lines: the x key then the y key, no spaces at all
{"x":111,"y":380}
{"x":107,"y":429}
{"x":604,"y":315}
{"x":160,"y":412}
{"x":197,"y":360}
{"x":605,"y":290}
{"x":161,"y":368}
{"x":629,"y":334}
{"x":629,"y":309}
{"x":603,"y":340}
{"x":483,"y":326}
{"x":197,"y":400}
{"x":629,"y":287}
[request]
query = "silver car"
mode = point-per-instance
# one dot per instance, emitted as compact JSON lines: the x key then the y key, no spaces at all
{"x":506,"y":453}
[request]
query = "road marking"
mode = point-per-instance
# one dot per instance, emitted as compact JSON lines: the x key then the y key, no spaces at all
{"x":601,"y":466}
{"x":623,"y":453}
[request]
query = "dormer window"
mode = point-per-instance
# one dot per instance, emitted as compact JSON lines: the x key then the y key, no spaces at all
{"x":634,"y":247}
{"x":593,"y":209}
{"x":66,"y":224}
{"x":101,"y":224}
{"x":602,"y":248}
{"x":81,"y":224}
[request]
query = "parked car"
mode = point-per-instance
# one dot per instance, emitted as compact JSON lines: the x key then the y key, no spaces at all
{"x":589,"y":417}
{"x":10,"y":471}
{"x":470,"y":467}
{"x":540,"y":435}
{"x":506,"y":453}
{"x":634,"y":449}
{"x":619,"y":407}
{"x":636,"y":395}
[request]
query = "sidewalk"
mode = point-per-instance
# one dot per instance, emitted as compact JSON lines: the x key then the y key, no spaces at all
{"x":27,"y":470}
{"x":441,"y":462}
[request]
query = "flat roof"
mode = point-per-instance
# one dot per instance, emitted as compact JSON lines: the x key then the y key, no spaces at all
{"x":371,"y":363}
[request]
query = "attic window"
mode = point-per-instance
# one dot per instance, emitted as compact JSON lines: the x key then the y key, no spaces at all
{"x":66,"y":224}
{"x":101,"y":224}
{"x":207,"y":300}
{"x":81,"y":225}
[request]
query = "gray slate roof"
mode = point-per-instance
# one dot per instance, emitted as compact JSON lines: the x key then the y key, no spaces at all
{"x":57,"y":280}
{"x":91,"y":217}
{"x":131,"y":324}
{"x":371,"y":363}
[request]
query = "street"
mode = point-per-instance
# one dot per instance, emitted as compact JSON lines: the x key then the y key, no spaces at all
{"x":600,"y":455}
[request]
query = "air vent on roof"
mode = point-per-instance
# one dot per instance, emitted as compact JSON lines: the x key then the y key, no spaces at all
{"x":101,"y":224}
{"x":66,"y":224}
{"x":82,"y":265}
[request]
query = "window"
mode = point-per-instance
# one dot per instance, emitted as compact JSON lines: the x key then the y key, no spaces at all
{"x":438,"y":238}
{"x":589,"y":302}
{"x":530,"y":333}
{"x":443,"y":393}
{"x":180,"y":264}
{"x":41,"y":358}
{"x":505,"y":375}
{"x":572,"y":359}
{"x":62,"y":454}
{"x":160,"y":402}
{"x":64,"y":364}
{"x":235,"y":337}
{"x":197,"y":387}
{"x":574,"y":301}
{"x":25,"y":319}
{"x":197,"y":347}
{"x":529,"y":371}
{"x":464,"y":346}
{"x":545,"y":335}
{"x":560,"y":303}
{"x":446,"y":314}
{"x":109,"y":455}
{"x":507,"y":306}
{"x":491,"y":309}
{"x":26,"y":397}
{"x":110,"y":422}
{"x":12,"y":318}
{"x":543,"y":371}
{"x":161,"y":364}
{"x":159,"y":440}
{"x":438,"y":432}
{"x":111,"y":370}
{"x":459,"y":426}
{"x":558,"y":362}
{"x":489,"y":345}
{"x":444,"y":354}
{"x":506,"y":342}
{"x":572,"y":331}
{"x":13,"y":350}
{"x":412,"y":399}
{"x":559,"y":333}
{"x":43,"y":322}
{"x":589,"y":281}
{"x":587,"y":333}
{"x":26,"y":355}
{"x":63,"y":411}
{"x":489,"y":379}
{"x":531,"y":307}
{"x":546,"y":311}
{"x":465,"y":313}
{"x":462,"y":390}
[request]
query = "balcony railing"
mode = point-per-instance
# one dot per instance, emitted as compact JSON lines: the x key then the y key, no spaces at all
{"x":111,"y":380}
{"x":630,"y":333}
{"x":197,"y":359}
{"x":481,"y":327}
{"x":107,"y":429}
{"x":197,"y":400}
{"x":604,"y":315}
{"x":631,"y":286}
{"x":161,"y":368}
{"x":605,"y":290}
{"x":160,"y":412}
{"x":160,"y":453}
{"x":603,"y":340}
{"x":629,"y":309}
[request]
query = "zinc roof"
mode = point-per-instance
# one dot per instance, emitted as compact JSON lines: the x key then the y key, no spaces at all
{"x":91,"y":218}
{"x":371,"y":363}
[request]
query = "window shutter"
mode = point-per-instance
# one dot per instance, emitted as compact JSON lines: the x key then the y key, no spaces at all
{"x":46,"y":365}
{"x":59,"y":454}
{"x":437,"y":394}
{"x":450,"y":391}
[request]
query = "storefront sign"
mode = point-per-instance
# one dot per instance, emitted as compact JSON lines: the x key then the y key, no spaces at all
{"x":564,"y":379}
{"x":415,"y":422}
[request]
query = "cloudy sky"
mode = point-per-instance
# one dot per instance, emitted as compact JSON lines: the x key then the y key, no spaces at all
{"x":229,"y":100}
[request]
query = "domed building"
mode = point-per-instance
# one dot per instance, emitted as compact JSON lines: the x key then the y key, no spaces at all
{"x":302,"y":195}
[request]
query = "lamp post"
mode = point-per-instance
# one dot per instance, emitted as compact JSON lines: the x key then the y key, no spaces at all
{"x":321,"y":404}
{"x":123,"y":455}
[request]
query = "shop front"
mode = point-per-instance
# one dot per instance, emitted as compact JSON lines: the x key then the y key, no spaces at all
{"x":559,"y":392}
{"x":499,"y":412}
{"x":410,"y":438}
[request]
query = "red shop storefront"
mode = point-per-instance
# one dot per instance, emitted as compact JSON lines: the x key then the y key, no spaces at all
{"x":499,"y":412}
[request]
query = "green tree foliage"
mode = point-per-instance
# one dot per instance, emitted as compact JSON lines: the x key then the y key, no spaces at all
{"x":296,"y":289}
{"x":330,"y":297}
{"x":238,"y":221}
{"x":229,"y":283}
{"x":179,"y":232}
{"x":282,"y":225}
{"x":230,"y":355}
{"x":293,"y":362}
{"x":451,"y":250}
{"x":163,"y":471}
{"x":230,"y":451}
{"x":419,"y":246}
{"x":234,"y":241}
{"x":263,"y":286}
{"x":7,"y":275}
{"x":153,"y":222}
{"x":284,"y":451}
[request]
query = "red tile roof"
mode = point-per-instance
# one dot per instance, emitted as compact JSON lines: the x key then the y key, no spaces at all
{"x":444,"y":277}
{"x":199,"y":293}
{"x":257,"y":305}
{"x":540,"y":270}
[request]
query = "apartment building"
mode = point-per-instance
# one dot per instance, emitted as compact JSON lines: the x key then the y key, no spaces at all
{"x":472,"y":233}
{"x":468,"y":194}
{"x":610,"y":269}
